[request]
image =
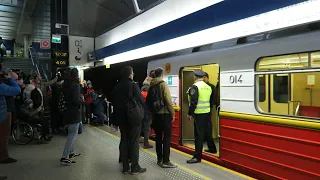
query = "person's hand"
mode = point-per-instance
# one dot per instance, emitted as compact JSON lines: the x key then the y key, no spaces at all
{"x":13,"y":75}
{"x":190,"y":118}
{"x":173,"y":119}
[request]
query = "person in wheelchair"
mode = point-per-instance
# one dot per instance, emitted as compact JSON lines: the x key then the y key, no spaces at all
{"x":31,"y":116}
{"x":99,"y":109}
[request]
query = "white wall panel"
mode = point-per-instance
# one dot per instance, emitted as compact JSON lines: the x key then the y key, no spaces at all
{"x":79,"y":47}
{"x":163,"y":13}
{"x":239,"y":107}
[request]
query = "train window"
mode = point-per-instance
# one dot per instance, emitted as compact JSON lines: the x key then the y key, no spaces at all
{"x":315,"y":59}
{"x":284,"y":62}
{"x":262,"y":88}
{"x":281,"y":88}
{"x":291,"y":92}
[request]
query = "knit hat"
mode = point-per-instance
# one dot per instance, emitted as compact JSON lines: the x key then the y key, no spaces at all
{"x":27,"y":102}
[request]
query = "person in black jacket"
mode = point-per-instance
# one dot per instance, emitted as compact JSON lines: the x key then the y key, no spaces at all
{"x":129,"y":133}
{"x":71,"y":116}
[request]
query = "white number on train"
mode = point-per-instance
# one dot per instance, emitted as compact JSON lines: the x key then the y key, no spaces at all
{"x":234,"y":79}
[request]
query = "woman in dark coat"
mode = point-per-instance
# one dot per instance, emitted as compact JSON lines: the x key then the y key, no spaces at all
{"x":71,"y":116}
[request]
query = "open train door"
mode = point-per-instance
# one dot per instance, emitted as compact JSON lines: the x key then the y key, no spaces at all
{"x":213,"y":71}
{"x":187,"y":127}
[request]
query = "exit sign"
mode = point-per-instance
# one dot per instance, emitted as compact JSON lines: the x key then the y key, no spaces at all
{"x":56,"y":38}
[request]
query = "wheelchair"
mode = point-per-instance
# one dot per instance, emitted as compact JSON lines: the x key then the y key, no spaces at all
{"x":23,"y":132}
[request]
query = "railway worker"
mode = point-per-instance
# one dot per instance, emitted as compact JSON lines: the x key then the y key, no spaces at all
{"x":208,"y":133}
{"x":199,"y":111}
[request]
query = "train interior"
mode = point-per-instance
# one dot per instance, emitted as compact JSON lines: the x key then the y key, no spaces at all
{"x":291,"y":93}
{"x":186,"y":125}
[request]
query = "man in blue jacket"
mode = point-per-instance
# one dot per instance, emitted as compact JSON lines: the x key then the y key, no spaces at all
{"x":6,"y":90}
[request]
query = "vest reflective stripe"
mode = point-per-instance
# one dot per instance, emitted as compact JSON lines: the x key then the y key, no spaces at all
{"x":205,"y":92}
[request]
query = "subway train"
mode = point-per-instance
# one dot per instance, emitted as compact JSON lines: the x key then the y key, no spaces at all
{"x":268,"y":122}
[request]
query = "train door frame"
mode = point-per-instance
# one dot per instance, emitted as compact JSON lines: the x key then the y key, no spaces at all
{"x":217,"y":107}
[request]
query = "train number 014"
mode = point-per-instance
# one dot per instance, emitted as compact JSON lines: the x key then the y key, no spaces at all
{"x":235,"y":79}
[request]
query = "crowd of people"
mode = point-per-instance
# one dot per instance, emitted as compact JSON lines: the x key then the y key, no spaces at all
{"x":22,"y":97}
{"x":154,"y":100}
{"x":135,"y":111}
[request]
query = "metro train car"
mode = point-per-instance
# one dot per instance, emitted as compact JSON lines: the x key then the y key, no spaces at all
{"x":268,"y":122}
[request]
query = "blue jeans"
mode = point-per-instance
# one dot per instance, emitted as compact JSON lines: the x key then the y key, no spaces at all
{"x":72,"y":136}
{"x":101,"y":117}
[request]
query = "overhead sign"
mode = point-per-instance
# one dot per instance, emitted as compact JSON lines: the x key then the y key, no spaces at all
{"x":61,"y":58}
{"x":61,"y":54}
{"x":61,"y":62}
{"x":45,"y":44}
{"x":79,"y":51}
{"x":56,"y":38}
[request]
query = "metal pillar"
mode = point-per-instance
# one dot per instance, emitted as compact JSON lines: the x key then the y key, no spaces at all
{"x":26,"y":45}
{"x":136,"y":6}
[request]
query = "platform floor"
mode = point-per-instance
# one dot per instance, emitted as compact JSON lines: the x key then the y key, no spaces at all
{"x":100,"y":149}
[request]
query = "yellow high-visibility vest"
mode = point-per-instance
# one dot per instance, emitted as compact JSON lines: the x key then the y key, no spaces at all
{"x":205,"y":92}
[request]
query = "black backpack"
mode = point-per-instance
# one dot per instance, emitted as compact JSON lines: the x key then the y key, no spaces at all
{"x":62,"y":103}
{"x":133,"y":109}
{"x":154,"y":99}
{"x":36,"y":98}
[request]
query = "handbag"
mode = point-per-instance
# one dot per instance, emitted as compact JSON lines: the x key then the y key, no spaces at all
{"x":80,"y":128}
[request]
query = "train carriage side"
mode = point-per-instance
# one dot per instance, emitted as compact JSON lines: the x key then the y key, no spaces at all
{"x":269,"y":120}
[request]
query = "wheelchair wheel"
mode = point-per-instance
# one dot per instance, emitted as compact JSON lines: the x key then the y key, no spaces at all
{"x":22,"y":133}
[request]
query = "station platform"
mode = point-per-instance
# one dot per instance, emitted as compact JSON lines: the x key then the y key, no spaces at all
{"x":99,"y":161}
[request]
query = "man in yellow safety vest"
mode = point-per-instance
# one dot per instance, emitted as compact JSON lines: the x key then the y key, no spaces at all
{"x":199,"y":110}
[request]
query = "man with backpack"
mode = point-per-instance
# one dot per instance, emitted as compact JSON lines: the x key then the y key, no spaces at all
{"x":129,"y":112}
{"x":160,"y":104}
{"x":37,"y":98}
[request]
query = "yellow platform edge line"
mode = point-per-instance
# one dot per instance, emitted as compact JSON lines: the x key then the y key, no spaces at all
{"x":153,"y":154}
{"x":188,"y":155}
{"x":212,"y":164}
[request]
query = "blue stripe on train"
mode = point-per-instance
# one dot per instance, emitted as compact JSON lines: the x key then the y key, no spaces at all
{"x":215,"y":15}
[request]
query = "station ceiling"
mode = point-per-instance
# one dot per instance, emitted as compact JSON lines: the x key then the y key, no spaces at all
{"x":95,"y":17}
{"x":10,"y":14}
{"x":89,"y":18}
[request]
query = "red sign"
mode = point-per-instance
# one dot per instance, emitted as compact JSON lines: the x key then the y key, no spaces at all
{"x":45,"y":44}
